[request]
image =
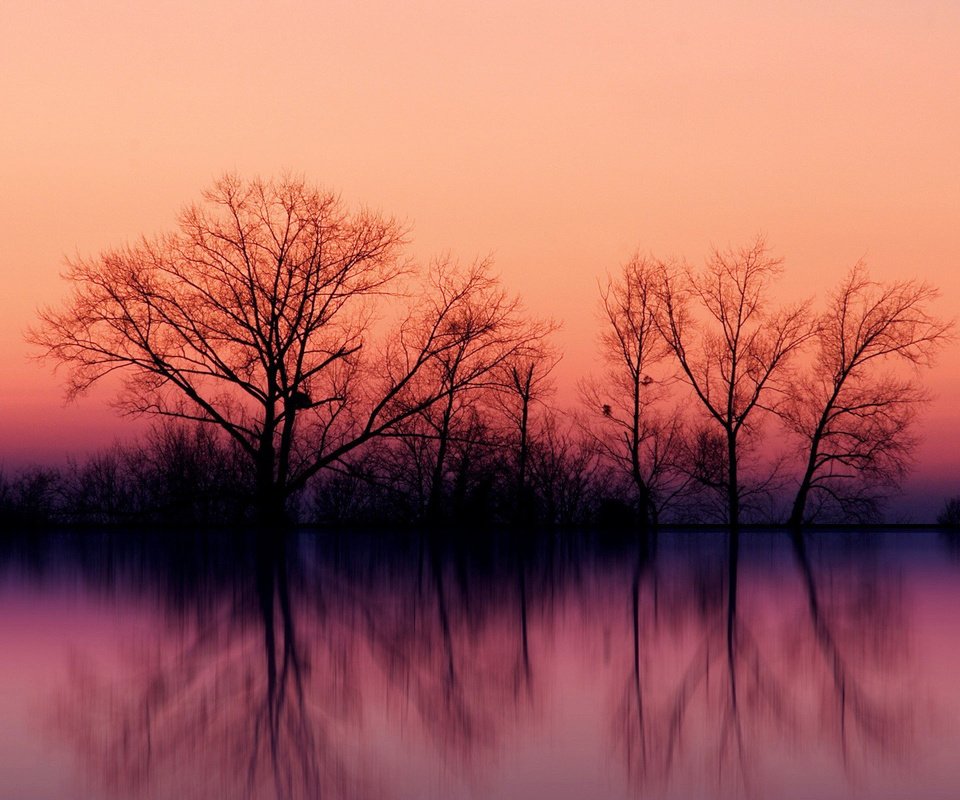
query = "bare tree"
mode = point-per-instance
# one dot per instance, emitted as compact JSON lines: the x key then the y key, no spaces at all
{"x":853,"y":411}
{"x":949,"y":516}
{"x":488,"y":331}
{"x":730,"y":344}
{"x":524,"y":382}
{"x":563,"y":473}
{"x":255,"y":317}
{"x":627,"y":426}
{"x":30,"y":497}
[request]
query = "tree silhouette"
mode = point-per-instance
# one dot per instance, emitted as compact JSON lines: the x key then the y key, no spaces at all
{"x":730,"y":344}
{"x":641,"y":441}
{"x":256,"y":317}
{"x":483,"y":329}
{"x":524,"y":382}
{"x":949,"y":516}
{"x":853,"y":412}
{"x":563,"y":473}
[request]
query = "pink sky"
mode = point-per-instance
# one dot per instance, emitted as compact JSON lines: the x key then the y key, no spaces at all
{"x":557,"y":136}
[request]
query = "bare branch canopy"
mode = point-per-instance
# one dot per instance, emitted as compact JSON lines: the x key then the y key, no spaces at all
{"x":256,"y":316}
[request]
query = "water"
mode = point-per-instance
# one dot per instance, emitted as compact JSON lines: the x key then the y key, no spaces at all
{"x":157,"y":666}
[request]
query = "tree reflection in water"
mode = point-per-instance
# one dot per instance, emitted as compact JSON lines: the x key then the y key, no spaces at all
{"x":256,"y":685}
{"x":709,"y":700}
{"x":859,"y":631}
{"x":228,"y":701}
{"x":314,"y":666}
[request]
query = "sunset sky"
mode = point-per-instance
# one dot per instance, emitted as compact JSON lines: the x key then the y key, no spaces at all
{"x":557,"y":137}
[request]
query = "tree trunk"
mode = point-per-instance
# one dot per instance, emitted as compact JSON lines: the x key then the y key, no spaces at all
{"x":800,"y":503}
{"x":733,"y":487}
{"x":436,"y":481}
{"x":523,"y":513}
{"x":267,"y":506}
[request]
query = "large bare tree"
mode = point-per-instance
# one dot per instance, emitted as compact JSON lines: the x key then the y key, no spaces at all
{"x":732,"y":343}
{"x":855,"y":408}
{"x":256,"y":316}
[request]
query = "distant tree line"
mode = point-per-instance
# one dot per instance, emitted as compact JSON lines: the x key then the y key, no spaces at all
{"x":308,"y":370}
{"x":176,"y":474}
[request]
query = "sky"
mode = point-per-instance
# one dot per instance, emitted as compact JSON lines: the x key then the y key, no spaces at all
{"x":556,"y":137}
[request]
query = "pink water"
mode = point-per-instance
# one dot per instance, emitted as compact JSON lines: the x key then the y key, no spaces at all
{"x":158,"y":671}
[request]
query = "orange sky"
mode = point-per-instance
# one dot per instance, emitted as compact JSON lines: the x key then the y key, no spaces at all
{"x":557,"y":136}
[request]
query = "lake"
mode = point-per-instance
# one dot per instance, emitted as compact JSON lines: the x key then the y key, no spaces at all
{"x":401,"y":668}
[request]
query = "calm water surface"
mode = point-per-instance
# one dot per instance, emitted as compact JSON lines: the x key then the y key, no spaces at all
{"x":362,"y":667}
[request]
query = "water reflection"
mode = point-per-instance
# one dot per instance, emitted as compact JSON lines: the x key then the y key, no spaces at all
{"x":731,"y":675}
{"x":350,"y":667}
{"x":223,"y":697}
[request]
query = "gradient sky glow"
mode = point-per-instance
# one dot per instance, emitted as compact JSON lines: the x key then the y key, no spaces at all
{"x":556,"y":136}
